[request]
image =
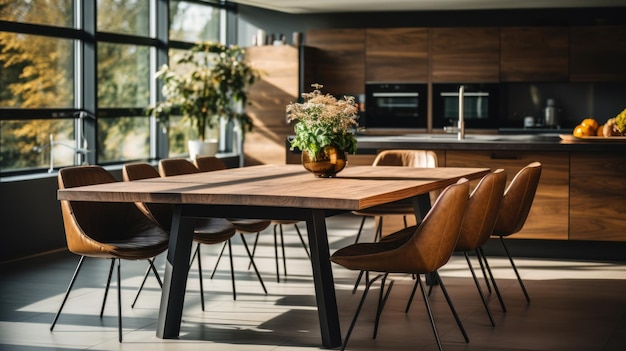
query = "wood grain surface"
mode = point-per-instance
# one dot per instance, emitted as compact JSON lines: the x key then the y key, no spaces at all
{"x":355,"y":188}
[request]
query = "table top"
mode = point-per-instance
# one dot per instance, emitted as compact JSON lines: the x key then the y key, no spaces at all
{"x":355,"y":188}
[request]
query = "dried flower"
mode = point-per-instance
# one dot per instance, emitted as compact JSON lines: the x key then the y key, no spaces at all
{"x":323,"y":120}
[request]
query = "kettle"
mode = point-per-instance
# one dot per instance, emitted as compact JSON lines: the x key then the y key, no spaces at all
{"x":551,"y":118}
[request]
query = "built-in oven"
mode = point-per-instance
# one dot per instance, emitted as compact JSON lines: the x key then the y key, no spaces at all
{"x":395,"y":105}
{"x":481,"y":108}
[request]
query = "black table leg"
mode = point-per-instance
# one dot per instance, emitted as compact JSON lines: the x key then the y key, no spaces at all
{"x":421,"y":204}
{"x":175,"y":280}
{"x":323,"y":279}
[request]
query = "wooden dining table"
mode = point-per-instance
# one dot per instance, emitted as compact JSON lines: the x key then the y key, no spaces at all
{"x":270,"y":192}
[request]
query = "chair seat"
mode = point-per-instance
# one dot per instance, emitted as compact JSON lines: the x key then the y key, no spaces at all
{"x":250,"y":225}
{"x":147,"y":242}
{"x":213,"y":231}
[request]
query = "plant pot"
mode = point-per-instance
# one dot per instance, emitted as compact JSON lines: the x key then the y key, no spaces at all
{"x":327,"y":163}
{"x":202,"y":148}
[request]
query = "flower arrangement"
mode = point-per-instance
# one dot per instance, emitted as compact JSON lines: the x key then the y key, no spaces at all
{"x":213,"y":86}
{"x":322,"y":120}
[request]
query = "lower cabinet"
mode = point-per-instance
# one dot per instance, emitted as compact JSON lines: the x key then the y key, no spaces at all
{"x":598,"y":196}
{"x":548,"y":217}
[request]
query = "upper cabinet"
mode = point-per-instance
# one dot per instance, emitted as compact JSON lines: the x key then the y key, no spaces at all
{"x":535,"y":54}
{"x":396,"y":55}
{"x":339,"y":60}
{"x":597,"y":54}
{"x":465,"y":54}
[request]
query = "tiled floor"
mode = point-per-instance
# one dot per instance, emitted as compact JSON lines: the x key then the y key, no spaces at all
{"x":576,"y":305}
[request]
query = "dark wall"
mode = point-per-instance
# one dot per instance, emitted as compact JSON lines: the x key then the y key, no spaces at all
{"x":273,"y":22}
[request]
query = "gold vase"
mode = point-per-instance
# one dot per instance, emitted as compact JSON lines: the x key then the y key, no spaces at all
{"x":327,"y":163}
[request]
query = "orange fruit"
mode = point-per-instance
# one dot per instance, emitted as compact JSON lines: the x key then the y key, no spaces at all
{"x":582,"y":130}
{"x":592,"y":123}
{"x":600,"y":131}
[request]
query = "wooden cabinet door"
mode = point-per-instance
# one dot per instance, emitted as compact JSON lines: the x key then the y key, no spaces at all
{"x":534,"y":54}
{"x":548,"y":217}
{"x":267,"y":101}
{"x":465,"y":54}
{"x":598,"y":196}
{"x":339,"y":60}
{"x":597,"y":53}
{"x":396,"y":55}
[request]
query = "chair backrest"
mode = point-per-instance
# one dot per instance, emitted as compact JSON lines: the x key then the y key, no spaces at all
{"x":89,"y":226}
{"x":517,"y":201}
{"x":434,"y":240}
{"x":482,"y":211}
{"x":209,"y":163}
{"x":176,"y":166}
{"x":406,"y":158}
{"x":159,"y":213}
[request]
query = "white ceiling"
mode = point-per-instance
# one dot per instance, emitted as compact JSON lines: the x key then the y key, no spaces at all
{"x":321,"y":6}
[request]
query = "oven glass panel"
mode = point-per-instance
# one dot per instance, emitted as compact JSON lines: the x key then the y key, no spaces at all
{"x":395,"y":106}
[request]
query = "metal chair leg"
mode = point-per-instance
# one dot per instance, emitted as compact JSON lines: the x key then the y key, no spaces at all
{"x":430,"y":313}
{"x":106,"y":290}
{"x":218,"y":260}
{"x":245,"y":245}
{"x":119,"y":299}
{"x":456,"y":316}
{"x":232,"y":269}
{"x":519,"y":279}
{"x":276,"y":253}
{"x":493,"y":280}
{"x":358,"y":309}
{"x":197,"y":255}
{"x":282,"y":246}
{"x":67,"y":292}
{"x":256,"y":241}
{"x":480,"y":291}
{"x":482,"y":268}
{"x":302,"y":241}
{"x":382,"y":300}
{"x":358,"y":235}
{"x":152,"y":268}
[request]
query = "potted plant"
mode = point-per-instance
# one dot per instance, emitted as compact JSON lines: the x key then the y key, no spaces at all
{"x":212,"y":86}
{"x":324,"y":130}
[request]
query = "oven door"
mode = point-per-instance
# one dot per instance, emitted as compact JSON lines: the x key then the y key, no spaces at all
{"x":395,"y":105}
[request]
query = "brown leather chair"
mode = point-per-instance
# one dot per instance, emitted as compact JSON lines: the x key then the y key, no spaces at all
{"x":179,"y":166}
{"x":480,"y":217}
{"x":429,"y":247}
{"x":208,"y":231}
{"x":400,"y":158}
{"x":114,"y":230}
{"x":516,"y":204}
{"x":212,"y":163}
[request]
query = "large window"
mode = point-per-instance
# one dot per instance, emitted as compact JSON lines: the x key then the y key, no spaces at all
{"x":77,"y":75}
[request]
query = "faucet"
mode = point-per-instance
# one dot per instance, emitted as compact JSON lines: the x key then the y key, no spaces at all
{"x":461,"y":122}
{"x":460,"y":129}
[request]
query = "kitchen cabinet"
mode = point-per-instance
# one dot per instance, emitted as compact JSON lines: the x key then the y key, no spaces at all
{"x":548,"y":217}
{"x":597,"y":196}
{"x":534,"y":54}
{"x":597,"y":54}
{"x":267,"y":101}
{"x":338,"y":61}
{"x":465,"y":54}
{"x":396,"y":55}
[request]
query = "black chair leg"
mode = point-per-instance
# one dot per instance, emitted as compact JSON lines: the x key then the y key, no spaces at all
{"x":119,"y":300}
{"x":106,"y":290}
{"x":245,"y":245}
{"x":408,"y":304}
{"x":67,"y":292}
{"x":519,"y":279}
{"x":456,"y":316}
{"x":480,"y":291}
{"x":382,"y":300}
{"x":218,"y":260}
{"x":152,"y":268}
{"x":358,"y":309}
{"x":199,"y":257}
{"x":493,"y":280}
{"x":282,"y":247}
{"x":356,"y":283}
{"x":358,"y":235}
{"x":256,"y":241}
{"x":482,"y":268}
{"x":306,"y":249}
{"x":430,"y":313}
{"x":232,"y":268}
{"x":275,"y":253}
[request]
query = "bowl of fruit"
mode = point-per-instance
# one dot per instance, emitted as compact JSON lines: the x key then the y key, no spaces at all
{"x":614,"y":128}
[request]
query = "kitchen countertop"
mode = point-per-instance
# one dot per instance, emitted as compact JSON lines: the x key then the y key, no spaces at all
{"x":490,"y":142}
